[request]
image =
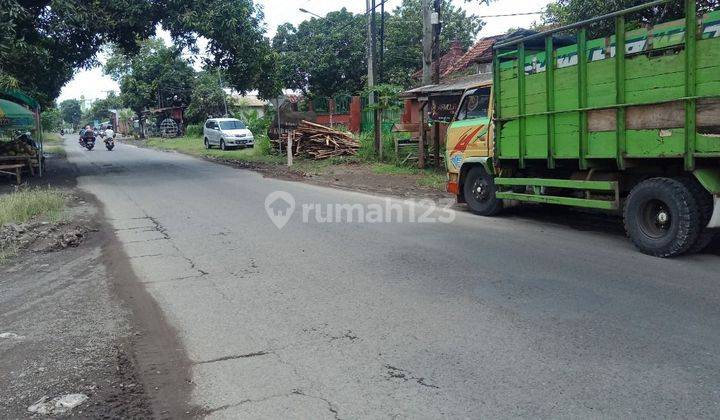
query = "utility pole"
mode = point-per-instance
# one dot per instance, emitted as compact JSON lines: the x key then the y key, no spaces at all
{"x":435,"y":21}
{"x":372,"y":47}
{"x":427,"y":42}
{"x":426,"y":75}
{"x":381,"y":70}
{"x":223,"y":92}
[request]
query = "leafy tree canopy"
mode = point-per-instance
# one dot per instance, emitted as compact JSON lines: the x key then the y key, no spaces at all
{"x":42,"y":42}
{"x":327,"y":56}
{"x":99,"y":110}
{"x":403,"y":44}
{"x":51,"y":119}
{"x":71,"y":112}
{"x":565,"y":12}
{"x":208,"y":98}
{"x":154,"y":76}
{"x":323,"y":56}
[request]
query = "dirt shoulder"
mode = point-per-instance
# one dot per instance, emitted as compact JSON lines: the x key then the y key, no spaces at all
{"x":382,"y":179}
{"x":75,"y":321}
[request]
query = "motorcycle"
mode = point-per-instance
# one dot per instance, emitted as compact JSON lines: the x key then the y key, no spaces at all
{"x":109,"y":142}
{"x":88,"y":140}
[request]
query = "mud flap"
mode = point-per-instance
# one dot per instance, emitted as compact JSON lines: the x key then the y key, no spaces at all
{"x":715,"y":219}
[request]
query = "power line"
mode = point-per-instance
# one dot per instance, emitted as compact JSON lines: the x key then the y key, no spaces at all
{"x":512,"y":14}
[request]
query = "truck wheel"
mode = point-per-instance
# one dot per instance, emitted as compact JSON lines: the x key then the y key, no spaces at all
{"x":705,"y":206}
{"x":662,"y":217}
{"x":479,"y":190}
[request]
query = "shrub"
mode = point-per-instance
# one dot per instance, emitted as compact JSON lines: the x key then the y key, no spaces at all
{"x":262,"y":145}
{"x":194,"y":130}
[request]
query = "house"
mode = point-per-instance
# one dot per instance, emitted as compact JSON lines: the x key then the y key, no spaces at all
{"x":447,"y":61}
{"x":252,"y":102}
{"x":477,"y":60}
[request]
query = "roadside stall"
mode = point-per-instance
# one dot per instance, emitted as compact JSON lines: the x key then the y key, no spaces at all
{"x":20,"y":140}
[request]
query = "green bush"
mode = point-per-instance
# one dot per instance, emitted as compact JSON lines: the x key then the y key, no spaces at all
{"x":257,"y":124}
{"x":367,"y":147}
{"x":194,"y":130}
{"x":262,"y":145}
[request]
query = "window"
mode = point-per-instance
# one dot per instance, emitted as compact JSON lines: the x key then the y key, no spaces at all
{"x":232,"y":125}
{"x":474,"y":105}
{"x":209,"y":124}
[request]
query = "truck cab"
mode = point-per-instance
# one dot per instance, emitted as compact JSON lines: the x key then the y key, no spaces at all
{"x":469,"y":136}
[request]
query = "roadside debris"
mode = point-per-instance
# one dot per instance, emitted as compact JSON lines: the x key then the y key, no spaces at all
{"x":41,"y":236}
{"x":57,"y":405}
{"x":318,"y":142}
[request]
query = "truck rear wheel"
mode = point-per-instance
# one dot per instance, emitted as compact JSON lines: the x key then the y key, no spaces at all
{"x":662,"y":217}
{"x":705,"y":206}
{"x":479,"y":191}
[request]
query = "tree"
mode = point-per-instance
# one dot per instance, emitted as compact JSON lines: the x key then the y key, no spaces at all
{"x":156,"y":76}
{"x":403,"y":54}
{"x":42,"y":42}
{"x":99,"y":110}
{"x":71,"y":112}
{"x":565,"y":12}
{"x":323,"y":56}
{"x":208,"y":98}
{"x":327,"y":56}
{"x":51,"y":119}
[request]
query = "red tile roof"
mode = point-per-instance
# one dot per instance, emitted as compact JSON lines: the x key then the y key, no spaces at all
{"x":447,"y":60}
{"x":481,"y":51}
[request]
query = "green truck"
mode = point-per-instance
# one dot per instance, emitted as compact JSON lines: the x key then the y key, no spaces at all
{"x":638,"y":133}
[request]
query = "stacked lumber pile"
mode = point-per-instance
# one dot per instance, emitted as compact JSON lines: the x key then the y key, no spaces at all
{"x":318,"y":142}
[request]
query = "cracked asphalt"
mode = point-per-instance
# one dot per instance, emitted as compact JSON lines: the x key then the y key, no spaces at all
{"x":507,"y":317}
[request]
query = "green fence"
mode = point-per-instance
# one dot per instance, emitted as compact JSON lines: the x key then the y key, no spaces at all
{"x":389,"y":119}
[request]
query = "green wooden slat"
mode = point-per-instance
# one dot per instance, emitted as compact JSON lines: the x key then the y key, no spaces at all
{"x":563,"y":201}
{"x":521,"y":103}
{"x":498,"y":107}
{"x":559,"y":183}
{"x":621,"y":138}
{"x":690,"y":81}
{"x":582,"y":91}
{"x":550,"y":99}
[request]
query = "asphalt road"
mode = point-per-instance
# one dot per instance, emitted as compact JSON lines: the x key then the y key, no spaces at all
{"x":505,"y":317}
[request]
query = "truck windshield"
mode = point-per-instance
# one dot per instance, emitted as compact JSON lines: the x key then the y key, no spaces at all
{"x":474,"y":105}
{"x":231,"y":125}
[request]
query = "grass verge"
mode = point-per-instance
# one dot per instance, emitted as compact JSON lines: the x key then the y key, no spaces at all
{"x":54,"y":150}
{"x":51,"y":138}
{"x":194,"y":146}
{"x":260,"y":153}
{"x":427,"y":177}
{"x":21,"y":206}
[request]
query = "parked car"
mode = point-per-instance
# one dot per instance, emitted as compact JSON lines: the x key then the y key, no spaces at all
{"x":227,"y":133}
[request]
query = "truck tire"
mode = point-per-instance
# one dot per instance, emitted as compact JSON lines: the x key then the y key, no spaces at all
{"x":662,"y":217}
{"x":479,"y":191}
{"x":705,"y":206}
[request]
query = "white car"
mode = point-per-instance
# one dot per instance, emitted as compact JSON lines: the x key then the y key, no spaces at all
{"x":227,"y":133}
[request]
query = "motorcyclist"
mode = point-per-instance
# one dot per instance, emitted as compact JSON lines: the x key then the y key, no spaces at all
{"x":109,"y":133}
{"x":87,"y":133}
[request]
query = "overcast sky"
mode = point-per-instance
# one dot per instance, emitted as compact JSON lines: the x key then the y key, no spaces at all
{"x":92,"y":83}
